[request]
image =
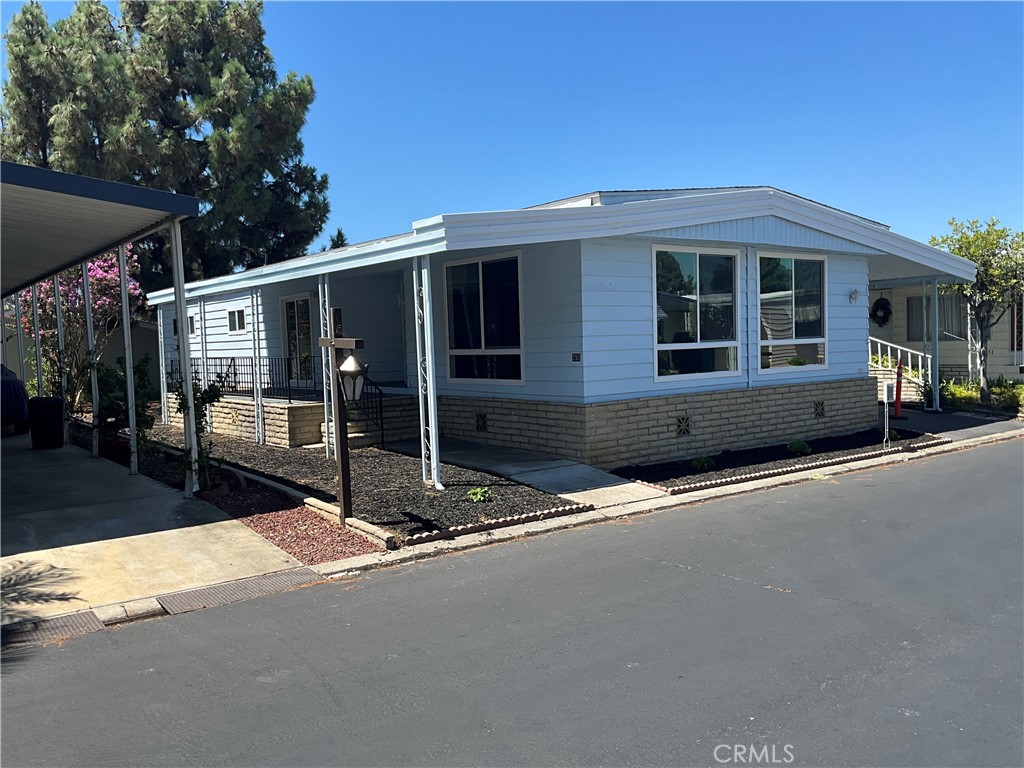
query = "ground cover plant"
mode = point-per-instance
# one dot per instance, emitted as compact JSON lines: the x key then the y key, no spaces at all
{"x":728,"y":464}
{"x":964,"y":395}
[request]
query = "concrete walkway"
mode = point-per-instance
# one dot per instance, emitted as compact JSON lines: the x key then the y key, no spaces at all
{"x":569,"y":479}
{"x":121,"y":537}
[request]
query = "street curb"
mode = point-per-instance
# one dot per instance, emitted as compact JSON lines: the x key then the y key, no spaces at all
{"x":133,"y":610}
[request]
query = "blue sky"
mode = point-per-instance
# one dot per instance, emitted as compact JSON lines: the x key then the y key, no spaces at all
{"x":907,"y":113}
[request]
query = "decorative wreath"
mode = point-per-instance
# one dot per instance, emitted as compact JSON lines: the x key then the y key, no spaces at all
{"x":881,"y":312}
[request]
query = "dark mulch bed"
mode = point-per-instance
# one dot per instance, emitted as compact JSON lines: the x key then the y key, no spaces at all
{"x":728,"y":464}
{"x":300,"y":531}
{"x":386,"y":486}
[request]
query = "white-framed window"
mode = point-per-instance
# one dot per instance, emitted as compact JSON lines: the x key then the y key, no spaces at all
{"x":696,"y":312}
{"x":952,"y":318}
{"x":193,"y":325}
{"x":484,"y":319}
{"x":791,"y":311}
{"x":236,"y":321}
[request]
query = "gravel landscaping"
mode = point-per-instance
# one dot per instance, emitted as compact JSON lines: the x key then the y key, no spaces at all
{"x":729,"y":464}
{"x":386,"y":486}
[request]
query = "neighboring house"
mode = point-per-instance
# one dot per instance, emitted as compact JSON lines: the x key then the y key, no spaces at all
{"x":611,"y":328}
{"x":910,"y":327}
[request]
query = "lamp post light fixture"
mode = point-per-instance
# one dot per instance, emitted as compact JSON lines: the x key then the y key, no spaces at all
{"x":347,"y":382}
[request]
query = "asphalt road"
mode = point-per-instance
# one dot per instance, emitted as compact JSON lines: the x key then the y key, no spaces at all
{"x":872,"y":619}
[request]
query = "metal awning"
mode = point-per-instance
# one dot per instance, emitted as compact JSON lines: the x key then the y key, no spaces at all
{"x":50,"y":221}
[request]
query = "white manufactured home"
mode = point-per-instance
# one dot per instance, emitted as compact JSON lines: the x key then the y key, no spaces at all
{"x":611,"y":328}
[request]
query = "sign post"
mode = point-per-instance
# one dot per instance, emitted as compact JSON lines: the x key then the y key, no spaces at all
{"x":335,"y":343}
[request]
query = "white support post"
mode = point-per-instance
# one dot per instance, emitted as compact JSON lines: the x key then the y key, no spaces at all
{"x":165,"y":414}
{"x":421,"y":373}
{"x":21,"y":335}
{"x":90,"y":355}
{"x":129,"y":362}
{"x":39,"y":341}
{"x":257,"y":370}
{"x":324,"y":290}
{"x":184,"y":358}
{"x":62,"y":362}
{"x":428,"y":348}
{"x":935,"y":346}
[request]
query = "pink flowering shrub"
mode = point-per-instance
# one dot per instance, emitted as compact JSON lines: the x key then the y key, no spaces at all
{"x":105,"y":293}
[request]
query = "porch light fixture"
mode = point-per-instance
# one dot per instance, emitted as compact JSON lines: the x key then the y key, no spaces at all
{"x":854,"y":295}
{"x":352,"y":374}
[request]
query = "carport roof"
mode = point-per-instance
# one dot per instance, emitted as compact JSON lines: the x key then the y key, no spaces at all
{"x":50,"y":221}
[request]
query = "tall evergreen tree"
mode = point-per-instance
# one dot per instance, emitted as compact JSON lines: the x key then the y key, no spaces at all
{"x":178,"y":96}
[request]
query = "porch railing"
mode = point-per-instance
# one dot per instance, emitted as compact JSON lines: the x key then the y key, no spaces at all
{"x":286,"y":378}
{"x":885,"y":354}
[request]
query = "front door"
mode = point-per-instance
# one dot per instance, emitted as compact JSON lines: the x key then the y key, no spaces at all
{"x":298,"y":339}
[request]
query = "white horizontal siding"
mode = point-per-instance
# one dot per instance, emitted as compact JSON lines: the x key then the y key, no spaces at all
{"x":763,"y":230}
{"x":618,"y":326}
{"x":552,"y":326}
{"x":372,"y":308}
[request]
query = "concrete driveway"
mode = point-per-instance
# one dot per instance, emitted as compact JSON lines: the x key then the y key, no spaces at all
{"x":122,"y":537}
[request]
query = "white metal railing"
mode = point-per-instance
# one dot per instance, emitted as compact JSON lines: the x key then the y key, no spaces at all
{"x":916,"y":365}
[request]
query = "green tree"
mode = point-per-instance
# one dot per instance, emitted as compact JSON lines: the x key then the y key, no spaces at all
{"x":178,"y":96}
{"x":998,"y":253}
{"x":338,"y":239}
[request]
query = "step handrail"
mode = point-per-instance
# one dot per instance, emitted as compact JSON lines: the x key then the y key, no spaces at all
{"x":913,"y":360}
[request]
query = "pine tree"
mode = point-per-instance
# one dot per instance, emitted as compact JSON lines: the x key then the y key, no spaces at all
{"x":175,"y":96}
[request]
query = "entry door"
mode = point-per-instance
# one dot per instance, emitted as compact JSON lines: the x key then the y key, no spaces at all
{"x":298,"y":339}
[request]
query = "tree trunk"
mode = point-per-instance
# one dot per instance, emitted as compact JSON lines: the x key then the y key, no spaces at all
{"x":984,"y":337}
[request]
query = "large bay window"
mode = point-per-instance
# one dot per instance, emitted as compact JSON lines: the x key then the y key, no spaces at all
{"x":484,"y":323}
{"x":695,"y":307}
{"x":791,"y":295}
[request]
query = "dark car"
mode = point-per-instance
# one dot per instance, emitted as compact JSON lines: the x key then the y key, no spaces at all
{"x":13,"y":401}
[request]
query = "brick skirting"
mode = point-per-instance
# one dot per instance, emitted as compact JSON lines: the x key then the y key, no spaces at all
{"x":666,"y":427}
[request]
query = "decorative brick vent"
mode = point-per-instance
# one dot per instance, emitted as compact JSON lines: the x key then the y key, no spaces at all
{"x":481,"y":422}
{"x":682,"y":425}
{"x":819,"y":409}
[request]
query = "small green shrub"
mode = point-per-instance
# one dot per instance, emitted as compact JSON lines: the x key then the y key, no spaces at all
{"x":703,"y":463}
{"x":797,"y":361}
{"x":478,"y":495}
{"x":798,"y":448}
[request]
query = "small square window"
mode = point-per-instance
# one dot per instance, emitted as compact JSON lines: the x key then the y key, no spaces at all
{"x":236,"y":321}
{"x":174,"y":326}
{"x":192,"y":325}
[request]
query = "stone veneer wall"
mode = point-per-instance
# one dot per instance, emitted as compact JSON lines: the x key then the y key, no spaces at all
{"x":288,"y":424}
{"x":666,"y":427}
{"x":912,"y":392}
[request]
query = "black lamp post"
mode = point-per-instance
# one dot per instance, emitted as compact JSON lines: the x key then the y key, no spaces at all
{"x":347,"y":382}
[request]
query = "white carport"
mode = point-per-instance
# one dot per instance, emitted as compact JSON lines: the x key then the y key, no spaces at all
{"x":54,"y":221}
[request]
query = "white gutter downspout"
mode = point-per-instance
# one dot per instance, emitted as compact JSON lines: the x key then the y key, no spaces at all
{"x":935,"y":346}
{"x":257,"y":367}
{"x":60,"y":353}
{"x":21,"y":335}
{"x":90,"y":351}
{"x":39,"y":342}
{"x":184,"y":358}
{"x":129,"y":362}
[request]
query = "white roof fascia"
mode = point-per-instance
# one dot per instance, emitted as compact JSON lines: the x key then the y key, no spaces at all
{"x":377,"y":252}
{"x":476,"y":230}
{"x":499,"y":228}
{"x":818,"y":217}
